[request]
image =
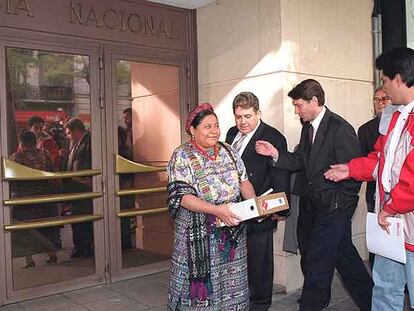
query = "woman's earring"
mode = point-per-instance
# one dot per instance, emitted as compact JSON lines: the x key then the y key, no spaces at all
{"x":192,"y":137}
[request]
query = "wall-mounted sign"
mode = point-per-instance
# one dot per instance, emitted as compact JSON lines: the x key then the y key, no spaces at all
{"x":130,"y":21}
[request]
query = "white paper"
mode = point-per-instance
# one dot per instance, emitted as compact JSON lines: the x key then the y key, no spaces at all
{"x":246,"y":209}
{"x":381,"y":243}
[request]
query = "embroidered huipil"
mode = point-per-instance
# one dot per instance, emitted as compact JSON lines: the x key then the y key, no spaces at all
{"x":228,"y":277}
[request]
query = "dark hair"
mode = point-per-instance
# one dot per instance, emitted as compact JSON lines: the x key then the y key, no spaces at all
{"x":75,"y":124}
{"x":246,"y":100}
{"x":35,"y":119}
{"x":200,"y":117}
{"x":128,"y":111}
{"x":122,"y":136}
{"x":27,"y":138}
{"x":397,"y":61}
{"x":307,"y":89}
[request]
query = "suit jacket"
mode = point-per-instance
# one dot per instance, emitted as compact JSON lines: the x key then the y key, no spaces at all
{"x":368,"y":134}
{"x":260,"y":170}
{"x":81,"y":159}
{"x":335,"y":142}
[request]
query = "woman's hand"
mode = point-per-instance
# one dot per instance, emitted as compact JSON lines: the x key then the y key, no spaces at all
{"x":226,"y":215}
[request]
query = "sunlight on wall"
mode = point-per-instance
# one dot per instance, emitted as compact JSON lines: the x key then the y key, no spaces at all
{"x":269,"y":87}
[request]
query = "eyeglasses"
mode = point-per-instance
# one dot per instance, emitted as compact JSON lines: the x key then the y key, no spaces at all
{"x":384,"y":99}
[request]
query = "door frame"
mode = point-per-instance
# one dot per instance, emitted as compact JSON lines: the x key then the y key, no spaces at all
{"x":112,"y":53}
{"x":67,"y":45}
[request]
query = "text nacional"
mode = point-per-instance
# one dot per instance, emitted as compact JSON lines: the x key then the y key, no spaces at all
{"x":114,"y":19}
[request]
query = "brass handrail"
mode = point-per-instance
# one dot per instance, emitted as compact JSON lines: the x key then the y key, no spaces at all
{"x":125,"y":166}
{"x":51,"y":198}
{"x":15,"y":171}
{"x":140,"y":191}
{"x":142,"y":212}
{"x":65,"y":220}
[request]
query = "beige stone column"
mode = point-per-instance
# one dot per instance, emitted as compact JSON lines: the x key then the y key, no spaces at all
{"x":266,"y":47}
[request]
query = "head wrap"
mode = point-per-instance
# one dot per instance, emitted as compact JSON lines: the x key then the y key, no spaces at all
{"x":194,"y":113}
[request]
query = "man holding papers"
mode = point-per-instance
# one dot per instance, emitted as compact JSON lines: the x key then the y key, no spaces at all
{"x":249,"y":128}
{"x":392,"y":162}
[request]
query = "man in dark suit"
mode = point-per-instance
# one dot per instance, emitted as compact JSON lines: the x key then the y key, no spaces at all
{"x":367,"y":135}
{"x":326,"y":139}
{"x":249,"y":129}
{"x":79,"y":158}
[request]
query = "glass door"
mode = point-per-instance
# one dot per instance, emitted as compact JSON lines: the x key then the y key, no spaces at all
{"x":146,"y":121}
{"x":52,"y":170}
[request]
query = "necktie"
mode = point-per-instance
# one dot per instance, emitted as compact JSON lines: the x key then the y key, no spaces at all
{"x":310,"y":134}
{"x":239,"y":143}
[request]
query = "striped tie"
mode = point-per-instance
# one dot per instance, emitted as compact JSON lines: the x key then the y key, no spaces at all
{"x":239,"y":143}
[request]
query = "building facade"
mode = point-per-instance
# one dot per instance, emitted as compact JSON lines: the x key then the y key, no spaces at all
{"x":130,"y":71}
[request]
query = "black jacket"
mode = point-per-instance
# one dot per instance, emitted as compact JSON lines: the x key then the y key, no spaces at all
{"x":368,"y":134}
{"x":335,"y":142}
{"x":260,"y":170}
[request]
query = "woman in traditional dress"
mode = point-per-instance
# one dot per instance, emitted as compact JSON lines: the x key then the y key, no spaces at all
{"x":209,"y":263}
{"x":33,"y":241}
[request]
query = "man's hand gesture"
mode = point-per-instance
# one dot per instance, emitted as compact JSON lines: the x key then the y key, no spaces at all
{"x":337,"y":172}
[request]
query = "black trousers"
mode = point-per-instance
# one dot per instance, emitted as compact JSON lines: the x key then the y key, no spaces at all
{"x":260,"y":269}
{"x":83,"y":236}
{"x":303,"y":230}
{"x":330,"y":246}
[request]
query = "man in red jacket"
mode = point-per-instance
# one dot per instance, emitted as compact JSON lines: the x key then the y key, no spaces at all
{"x":392,"y":162}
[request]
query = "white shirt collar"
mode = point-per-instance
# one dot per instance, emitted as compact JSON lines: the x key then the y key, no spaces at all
{"x":406,"y":109}
{"x":317,"y":121}
{"x":247,"y":139}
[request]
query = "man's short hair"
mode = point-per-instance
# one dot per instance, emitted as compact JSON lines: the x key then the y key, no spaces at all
{"x":308,"y":89}
{"x":128,"y":111}
{"x":246,"y":100}
{"x":75,"y":124}
{"x":35,"y":120}
{"x":27,"y":138}
{"x":397,"y":61}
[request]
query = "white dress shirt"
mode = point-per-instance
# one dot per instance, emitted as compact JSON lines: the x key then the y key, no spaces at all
{"x":317,"y":121}
{"x":246,"y":140}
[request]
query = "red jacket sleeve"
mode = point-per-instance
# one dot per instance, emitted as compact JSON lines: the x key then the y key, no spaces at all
{"x":402,"y":195}
{"x":362,"y":169}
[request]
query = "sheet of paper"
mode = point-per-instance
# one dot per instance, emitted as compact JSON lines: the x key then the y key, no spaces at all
{"x":380,"y":242}
{"x":246,"y":209}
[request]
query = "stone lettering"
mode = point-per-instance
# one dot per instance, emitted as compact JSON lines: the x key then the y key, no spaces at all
{"x":134,"y":23}
{"x":23,"y":5}
{"x":106,"y":19}
{"x":93,"y":18}
{"x":16,"y":7}
{"x":162,"y":29}
{"x":76,"y":13}
{"x":149,"y":26}
{"x":8,"y":7}
{"x":113,"y":19}
{"x":123,"y":22}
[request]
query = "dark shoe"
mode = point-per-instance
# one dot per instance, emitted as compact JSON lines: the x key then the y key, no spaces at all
{"x":30,"y":264}
{"x":52,"y":259}
{"x":76,"y":253}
